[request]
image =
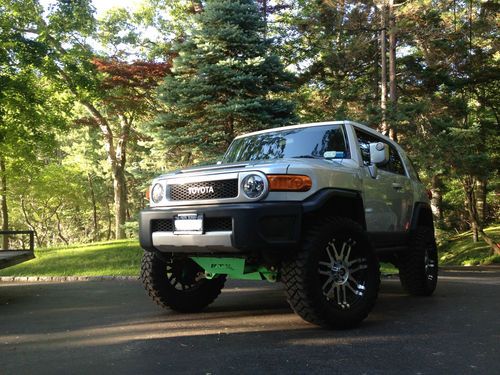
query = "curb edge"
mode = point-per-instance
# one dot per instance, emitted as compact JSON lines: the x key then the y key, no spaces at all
{"x":33,"y":279}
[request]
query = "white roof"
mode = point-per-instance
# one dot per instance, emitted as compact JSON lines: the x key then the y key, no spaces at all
{"x":298,"y":126}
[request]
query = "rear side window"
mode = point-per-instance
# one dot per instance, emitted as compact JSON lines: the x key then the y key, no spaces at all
{"x":394,"y":165}
{"x":415,"y":170}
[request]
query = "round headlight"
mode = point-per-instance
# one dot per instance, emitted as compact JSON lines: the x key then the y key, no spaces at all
{"x":157,"y":193}
{"x":253,"y":186}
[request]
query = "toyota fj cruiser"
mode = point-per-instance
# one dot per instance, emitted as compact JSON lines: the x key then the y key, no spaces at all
{"x":315,"y":206}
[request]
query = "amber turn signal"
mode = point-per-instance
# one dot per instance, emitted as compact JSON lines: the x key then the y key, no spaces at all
{"x":147,"y":194}
{"x":289,"y":182}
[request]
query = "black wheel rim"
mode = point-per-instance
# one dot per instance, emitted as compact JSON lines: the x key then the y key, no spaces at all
{"x":342,"y":273}
{"x":430,"y":264}
{"x":184,"y":274}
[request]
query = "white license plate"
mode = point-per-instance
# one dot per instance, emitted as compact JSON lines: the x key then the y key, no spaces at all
{"x":188,"y":224}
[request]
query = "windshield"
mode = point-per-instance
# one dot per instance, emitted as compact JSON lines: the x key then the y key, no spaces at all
{"x":327,"y":141}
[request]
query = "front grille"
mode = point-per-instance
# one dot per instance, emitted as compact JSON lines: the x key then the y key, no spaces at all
{"x":210,"y":224}
{"x":162,"y":225}
{"x":214,"y":224}
{"x":204,"y":190}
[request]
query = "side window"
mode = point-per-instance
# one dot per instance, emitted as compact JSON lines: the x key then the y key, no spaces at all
{"x":364,"y":140}
{"x":394,"y":165}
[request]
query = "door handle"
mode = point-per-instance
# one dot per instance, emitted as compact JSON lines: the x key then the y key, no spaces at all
{"x":397,"y":186}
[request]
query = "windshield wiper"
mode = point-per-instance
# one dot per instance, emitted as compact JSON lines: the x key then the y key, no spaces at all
{"x":306,"y":157}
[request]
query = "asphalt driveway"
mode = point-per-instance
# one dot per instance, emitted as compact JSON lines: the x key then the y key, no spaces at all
{"x":112,"y":327}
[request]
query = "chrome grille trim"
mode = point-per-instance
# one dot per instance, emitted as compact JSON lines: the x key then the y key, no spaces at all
{"x":219,"y":189}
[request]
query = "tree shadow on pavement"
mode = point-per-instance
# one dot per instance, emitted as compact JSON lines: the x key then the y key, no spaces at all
{"x":113,"y":326}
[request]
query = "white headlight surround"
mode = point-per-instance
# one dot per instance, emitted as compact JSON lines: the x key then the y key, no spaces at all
{"x":157,"y":193}
{"x":254,"y":186}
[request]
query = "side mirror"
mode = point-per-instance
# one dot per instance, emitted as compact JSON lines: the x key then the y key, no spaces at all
{"x":379,"y":153}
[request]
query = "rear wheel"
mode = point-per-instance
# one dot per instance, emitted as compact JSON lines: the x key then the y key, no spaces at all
{"x":334,"y":280}
{"x":178,"y":283}
{"x":418,"y":269}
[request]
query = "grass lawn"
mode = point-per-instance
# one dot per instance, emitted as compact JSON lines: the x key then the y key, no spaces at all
{"x":122,"y":258}
{"x":115,"y":258}
{"x":460,"y":250}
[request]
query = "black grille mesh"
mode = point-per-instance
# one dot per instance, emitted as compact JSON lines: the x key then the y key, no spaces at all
{"x":214,"y":224}
{"x":221,"y":189}
{"x":162,"y":225}
{"x":210,"y":224}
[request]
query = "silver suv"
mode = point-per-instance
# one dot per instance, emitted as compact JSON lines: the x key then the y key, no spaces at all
{"x":315,"y":206}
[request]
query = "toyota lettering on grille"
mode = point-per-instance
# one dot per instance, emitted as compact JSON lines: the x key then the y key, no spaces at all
{"x":200,"y":190}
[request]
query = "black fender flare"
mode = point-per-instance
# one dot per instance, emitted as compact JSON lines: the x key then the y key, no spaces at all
{"x":320,"y":200}
{"x":422,"y":215}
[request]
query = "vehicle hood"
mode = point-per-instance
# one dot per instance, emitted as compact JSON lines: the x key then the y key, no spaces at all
{"x":277,"y":166}
{"x":274,"y":166}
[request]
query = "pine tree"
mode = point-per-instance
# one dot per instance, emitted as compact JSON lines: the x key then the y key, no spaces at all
{"x":224,"y":83}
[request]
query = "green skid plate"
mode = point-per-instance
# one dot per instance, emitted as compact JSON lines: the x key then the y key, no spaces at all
{"x":234,"y":268}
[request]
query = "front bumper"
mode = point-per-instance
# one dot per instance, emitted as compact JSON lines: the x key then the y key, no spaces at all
{"x":251,"y":227}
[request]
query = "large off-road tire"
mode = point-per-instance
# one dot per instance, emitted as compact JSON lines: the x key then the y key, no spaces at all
{"x":334,"y":279}
{"x":418,"y":268}
{"x":178,"y":283}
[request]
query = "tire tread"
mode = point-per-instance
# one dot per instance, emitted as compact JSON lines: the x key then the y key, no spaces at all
{"x":297,"y":289}
{"x":160,"y":291}
{"x":411,"y":265}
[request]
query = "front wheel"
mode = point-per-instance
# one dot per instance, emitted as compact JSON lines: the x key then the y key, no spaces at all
{"x":178,"y":283}
{"x":334,"y":279}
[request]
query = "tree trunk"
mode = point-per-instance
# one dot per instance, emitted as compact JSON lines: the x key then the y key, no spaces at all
{"x":264,"y":16}
{"x":469,"y":184}
{"x":340,"y":26}
{"x":32,"y":226}
{"x":475,"y":230}
{"x":470,"y":205}
{"x":495,"y":247}
{"x":229,"y":131}
{"x":108,"y":237}
{"x":5,"y":209}
{"x":481,"y":185}
{"x":437,"y":198}
{"x":117,"y":158}
{"x":392,"y":68}
{"x":383,"y":72}
{"x":376,"y":67}
{"x":120,"y":196}
{"x":94,"y":209}
{"x":476,"y":226}
{"x":59,"y":229}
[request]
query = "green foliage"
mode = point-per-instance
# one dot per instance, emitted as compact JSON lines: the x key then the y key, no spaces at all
{"x":224,"y":81}
{"x":170,"y":21}
{"x":460,"y":250}
{"x":234,"y":71}
{"x":333,"y":48}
